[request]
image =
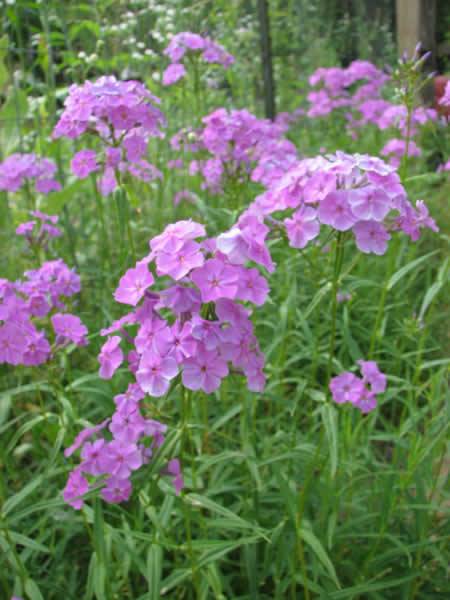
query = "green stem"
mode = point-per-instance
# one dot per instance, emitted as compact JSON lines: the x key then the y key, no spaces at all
{"x":338,"y":261}
{"x":382,"y":302}
{"x":101,"y":219}
{"x":123,"y":206}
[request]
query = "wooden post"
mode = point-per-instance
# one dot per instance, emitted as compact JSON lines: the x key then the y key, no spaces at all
{"x":266,"y":59}
{"x":416,"y":22}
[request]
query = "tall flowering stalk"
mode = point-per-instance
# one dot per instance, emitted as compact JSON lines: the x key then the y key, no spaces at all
{"x":121,"y":116}
{"x":35,"y":304}
{"x":188,"y":323}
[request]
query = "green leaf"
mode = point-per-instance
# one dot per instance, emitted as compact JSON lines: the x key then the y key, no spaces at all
{"x":330,"y":419}
{"x":313,"y":542}
{"x":33,"y":591}
{"x":26,"y":542}
{"x":197,"y":500}
{"x":396,"y":277}
{"x":432,"y":291}
{"x":20,"y":496}
{"x":154,"y":570}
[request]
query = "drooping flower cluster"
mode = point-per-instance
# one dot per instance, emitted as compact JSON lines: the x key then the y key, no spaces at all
{"x":17,"y":169}
{"x":123,"y":115}
{"x":23,"y":305}
{"x":359,"y":391}
{"x":108,"y":462}
{"x":236,"y":145}
{"x":40,"y":230}
{"x":345,"y":192}
{"x":209,"y":51}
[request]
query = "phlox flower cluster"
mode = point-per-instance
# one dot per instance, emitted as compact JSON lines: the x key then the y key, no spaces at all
{"x":357,"y":193}
{"x":108,"y":461}
{"x":209,"y":51}
{"x":357,"y":92}
{"x":39,"y":230}
{"x":187,"y":321}
{"x":123,"y":115}
{"x":24,"y":304}
{"x":195,"y":324}
{"x":18,"y":169}
{"x":344,"y":87}
{"x":236,"y":145}
{"x":359,"y":391}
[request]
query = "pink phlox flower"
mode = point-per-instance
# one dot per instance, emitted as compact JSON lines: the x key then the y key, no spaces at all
{"x":182,"y":341}
{"x":371,"y":237}
{"x":76,"y":487}
{"x":121,"y":458}
{"x":174,"y":468}
{"x":92,"y":455}
{"x":110,"y":357}
{"x":216,"y":279}
{"x":69,"y":328}
{"x":334,"y":210}
{"x":302,"y":227}
{"x":178,"y":262}
{"x":373,"y":376}
{"x":209,"y":333}
{"x":155,"y":373}
{"x":173,"y":73}
{"x":370,"y":204}
{"x":38,"y":350}
{"x":133,"y":284}
{"x":132,"y":396}
{"x":151,"y":328}
{"x":169,"y":239}
{"x":26,"y":228}
{"x":204,"y":371}
{"x":83,"y":436}
{"x":127,"y":424}
{"x":116,"y":490}
{"x":252,"y":286}
{"x":346,"y":388}
{"x":181,"y":299}
{"x":13,"y":344}
{"x":84,"y":163}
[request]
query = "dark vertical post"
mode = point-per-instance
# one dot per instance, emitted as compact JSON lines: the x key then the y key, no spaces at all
{"x":266,"y":59}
